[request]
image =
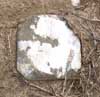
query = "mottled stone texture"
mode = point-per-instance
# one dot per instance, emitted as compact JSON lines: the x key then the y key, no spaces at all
{"x":47,"y":48}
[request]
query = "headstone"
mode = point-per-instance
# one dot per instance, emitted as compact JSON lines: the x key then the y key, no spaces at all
{"x":47,"y":48}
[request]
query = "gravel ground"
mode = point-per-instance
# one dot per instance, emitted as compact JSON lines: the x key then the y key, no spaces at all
{"x":84,"y":20}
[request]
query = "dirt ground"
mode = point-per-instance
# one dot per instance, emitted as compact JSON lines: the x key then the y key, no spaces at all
{"x":84,"y":20}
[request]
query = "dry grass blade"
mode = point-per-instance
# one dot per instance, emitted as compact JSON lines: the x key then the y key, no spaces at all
{"x":64,"y":86}
{"x":39,"y":88}
{"x":88,"y":56}
{"x":68,"y":91}
{"x":53,"y":91}
{"x":9,"y":43}
{"x":84,"y":18}
{"x":69,"y":62}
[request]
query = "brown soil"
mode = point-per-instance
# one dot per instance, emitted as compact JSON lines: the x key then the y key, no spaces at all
{"x":84,"y":20}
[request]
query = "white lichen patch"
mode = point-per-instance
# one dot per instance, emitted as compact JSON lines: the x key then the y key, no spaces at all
{"x":75,"y":2}
{"x":57,"y":60}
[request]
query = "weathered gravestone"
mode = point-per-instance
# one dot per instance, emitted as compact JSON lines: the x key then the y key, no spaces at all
{"x":47,"y":48}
